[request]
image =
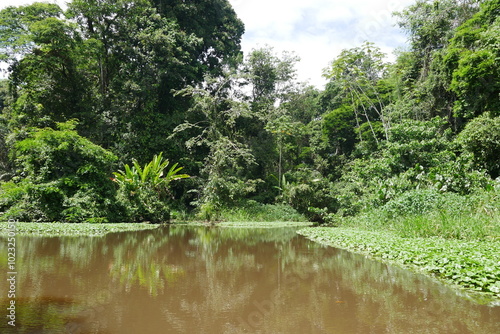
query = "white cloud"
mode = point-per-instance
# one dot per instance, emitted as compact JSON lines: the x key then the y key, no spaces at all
{"x":317,"y":30}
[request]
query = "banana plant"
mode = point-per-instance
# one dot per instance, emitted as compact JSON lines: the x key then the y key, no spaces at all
{"x":152,"y":175}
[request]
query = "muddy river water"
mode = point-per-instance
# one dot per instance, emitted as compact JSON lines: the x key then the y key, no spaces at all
{"x":222,"y":280}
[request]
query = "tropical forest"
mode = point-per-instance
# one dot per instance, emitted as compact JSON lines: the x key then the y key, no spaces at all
{"x":134,"y":111}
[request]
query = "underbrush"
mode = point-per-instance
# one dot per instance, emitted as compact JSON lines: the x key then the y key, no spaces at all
{"x":428,"y":213}
{"x":258,"y":212}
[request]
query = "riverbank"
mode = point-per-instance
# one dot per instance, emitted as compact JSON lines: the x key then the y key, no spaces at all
{"x":472,"y":266}
{"x":87,"y":229}
{"x":72,"y":229}
{"x":247,"y":224}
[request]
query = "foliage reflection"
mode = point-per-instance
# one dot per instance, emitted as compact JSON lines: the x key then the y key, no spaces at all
{"x":225,"y":280}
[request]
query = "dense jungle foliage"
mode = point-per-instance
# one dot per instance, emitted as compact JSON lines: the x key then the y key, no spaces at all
{"x":106,"y":85}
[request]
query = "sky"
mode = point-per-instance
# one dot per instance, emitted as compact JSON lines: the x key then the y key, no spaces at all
{"x":315,"y":30}
{"x":318,"y":30}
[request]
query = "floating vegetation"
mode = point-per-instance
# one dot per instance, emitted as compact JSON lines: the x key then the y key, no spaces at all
{"x":471,"y":265}
{"x":72,"y":229}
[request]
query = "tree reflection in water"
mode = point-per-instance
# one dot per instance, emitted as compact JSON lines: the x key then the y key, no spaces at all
{"x":225,"y":280}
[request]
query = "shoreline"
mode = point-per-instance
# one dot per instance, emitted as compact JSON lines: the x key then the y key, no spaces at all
{"x":72,"y":229}
{"x":57,"y":229}
{"x":465,"y":265}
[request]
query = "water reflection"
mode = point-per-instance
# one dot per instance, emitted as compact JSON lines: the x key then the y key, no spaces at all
{"x":213,"y":280}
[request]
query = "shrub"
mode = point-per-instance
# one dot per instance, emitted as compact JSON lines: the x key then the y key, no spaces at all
{"x":306,"y":191}
{"x":144,"y":191}
{"x":415,"y":202}
{"x":427,"y":213}
{"x":11,"y":193}
{"x":252,"y":211}
{"x":419,"y":155}
{"x":144,"y":205}
{"x":481,"y":137}
{"x":62,"y":176}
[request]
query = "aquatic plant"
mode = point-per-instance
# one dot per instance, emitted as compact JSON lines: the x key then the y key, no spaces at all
{"x":471,"y":265}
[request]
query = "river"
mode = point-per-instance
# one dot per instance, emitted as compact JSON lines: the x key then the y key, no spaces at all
{"x":208,"y":280}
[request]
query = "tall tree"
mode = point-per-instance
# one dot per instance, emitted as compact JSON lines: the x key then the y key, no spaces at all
{"x":46,"y":83}
{"x":271,"y":78}
{"x":16,"y":36}
{"x":271,"y":84}
{"x":423,"y":77}
{"x":145,"y":52}
{"x":431,"y":23}
{"x":472,"y":62}
{"x":224,"y":171}
{"x":215,"y":23}
{"x":136,"y":52}
{"x":359,"y":72}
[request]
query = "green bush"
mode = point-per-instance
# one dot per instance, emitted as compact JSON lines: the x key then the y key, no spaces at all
{"x":429,"y":213}
{"x":252,"y":211}
{"x":10,"y":194}
{"x":61,"y":177}
{"x":209,"y":211}
{"x":415,"y":202}
{"x":144,"y":191}
{"x":481,"y":138}
{"x":306,"y":191}
{"x":419,"y":155}
{"x":144,"y":205}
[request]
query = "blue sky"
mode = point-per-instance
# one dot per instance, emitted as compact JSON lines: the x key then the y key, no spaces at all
{"x":316,"y":30}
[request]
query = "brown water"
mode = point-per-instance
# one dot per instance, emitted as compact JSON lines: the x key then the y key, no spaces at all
{"x":214,"y":280}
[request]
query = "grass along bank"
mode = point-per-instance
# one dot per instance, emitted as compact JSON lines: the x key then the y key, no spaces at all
{"x":73,"y":229}
{"x":429,"y":213}
{"x":474,"y":266}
